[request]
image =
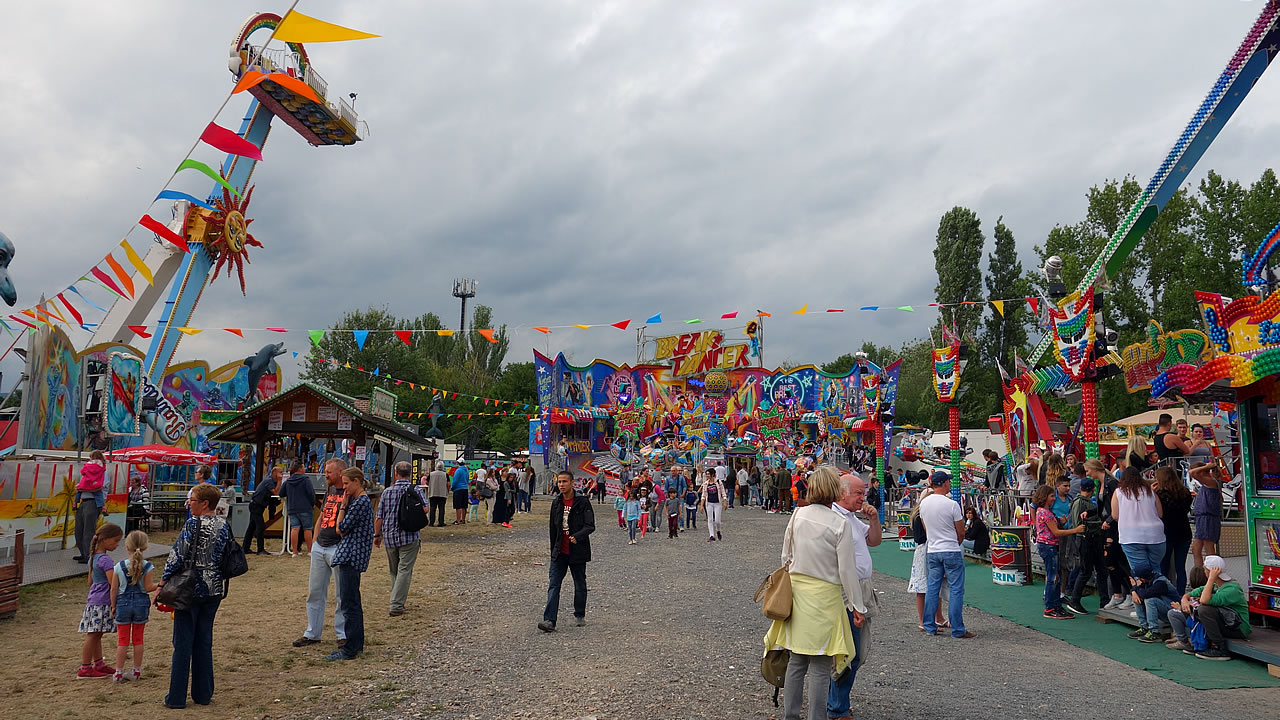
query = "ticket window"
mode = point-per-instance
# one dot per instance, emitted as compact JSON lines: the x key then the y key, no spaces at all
{"x":1265,"y":447}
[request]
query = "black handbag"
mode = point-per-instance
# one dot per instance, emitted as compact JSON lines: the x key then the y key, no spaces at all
{"x":179,"y":591}
{"x":234,"y":563}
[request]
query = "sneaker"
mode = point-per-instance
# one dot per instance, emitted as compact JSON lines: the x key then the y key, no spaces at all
{"x":546,"y":627}
{"x":136,"y":674}
{"x":1127,"y":604}
{"x":89,"y":671}
{"x":580,"y":621}
{"x":119,"y":677}
{"x":1059,"y":614}
{"x":340,"y":655}
{"x":1213,"y":654}
{"x":719,"y":536}
{"x":1075,"y":607}
{"x":102,"y":667}
{"x":304,"y":641}
{"x":1137,"y":634}
{"x":1177,"y":644}
{"x":711,"y":539}
{"x":1150,"y":637}
{"x":1115,"y":603}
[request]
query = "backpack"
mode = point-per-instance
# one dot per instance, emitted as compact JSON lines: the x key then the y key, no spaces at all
{"x":773,"y":666}
{"x":411,"y":516}
{"x":1196,"y":635}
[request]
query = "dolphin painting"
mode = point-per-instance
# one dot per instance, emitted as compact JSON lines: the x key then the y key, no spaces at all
{"x":259,"y":363}
{"x":7,"y":291}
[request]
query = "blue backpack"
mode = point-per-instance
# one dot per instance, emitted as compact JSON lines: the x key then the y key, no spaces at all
{"x":1195,"y":634}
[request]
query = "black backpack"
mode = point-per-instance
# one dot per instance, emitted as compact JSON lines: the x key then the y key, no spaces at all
{"x":411,"y":516}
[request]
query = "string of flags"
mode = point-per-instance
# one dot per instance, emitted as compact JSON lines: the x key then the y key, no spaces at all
{"x":449,"y":394}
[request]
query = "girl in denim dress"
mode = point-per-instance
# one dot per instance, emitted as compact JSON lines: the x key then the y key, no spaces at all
{"x":131,"y":598}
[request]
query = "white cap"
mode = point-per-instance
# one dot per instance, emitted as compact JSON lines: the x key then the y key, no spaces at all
{"x":1216,"y":561}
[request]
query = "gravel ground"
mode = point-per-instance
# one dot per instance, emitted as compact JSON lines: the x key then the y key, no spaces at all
{"x":672,"y":633}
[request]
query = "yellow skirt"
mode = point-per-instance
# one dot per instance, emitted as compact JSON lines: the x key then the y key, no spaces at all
{"x":819,"y":623}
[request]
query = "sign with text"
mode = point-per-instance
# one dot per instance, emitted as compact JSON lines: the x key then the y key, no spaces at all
{"x":382,"y":404}
{"x":275,"y":420}
{"x":699,"y":352}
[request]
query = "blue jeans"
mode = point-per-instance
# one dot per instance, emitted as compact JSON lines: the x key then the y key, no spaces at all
{"x":1155,"y":610}
{"x":522,"y":500}
{"x":838,"y":694}
{"x":193,"y":653}
{"x":952,"y":565}
{"x":1175,"y":554}
{"x":557,"y":568}
{"x":1143,"y":557}
{"x":1052,"y":589}
{"x":631,"y":528}
{"x":347,"y":584}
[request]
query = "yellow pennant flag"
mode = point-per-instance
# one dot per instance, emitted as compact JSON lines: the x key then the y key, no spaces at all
{"x":444,"y":333}
{"x":999,"y":306}
{"x":299,"y":28}
{"x":584,"y":327}
{"x":189,"y":331}
{"x":137,"y":263}
{"x":802,"y":311}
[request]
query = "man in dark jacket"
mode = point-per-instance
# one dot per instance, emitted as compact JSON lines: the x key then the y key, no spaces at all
{"x":571,"y":523}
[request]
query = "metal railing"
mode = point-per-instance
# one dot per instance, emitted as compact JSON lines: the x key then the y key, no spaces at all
{"x":271,"y":59}
{"x":315,"y":82}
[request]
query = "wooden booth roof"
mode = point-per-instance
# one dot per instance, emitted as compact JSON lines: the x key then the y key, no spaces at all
{"x":315,"y":411}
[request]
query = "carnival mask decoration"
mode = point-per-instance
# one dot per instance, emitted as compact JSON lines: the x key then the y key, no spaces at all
{"x":946,"y":372}
{"x":1073,"y":332}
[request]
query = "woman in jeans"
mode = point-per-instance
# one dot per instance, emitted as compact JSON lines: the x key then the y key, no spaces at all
{"x":818,"y":549}
{"x":1047,"y":533}
{"x":1175,"y":506}
{"x":351,"y":559}
{"x":193,"y":627}
{"x":1136,"y":511}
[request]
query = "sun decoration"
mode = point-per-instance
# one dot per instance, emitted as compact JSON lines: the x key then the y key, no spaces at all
{"x":229,"y":236}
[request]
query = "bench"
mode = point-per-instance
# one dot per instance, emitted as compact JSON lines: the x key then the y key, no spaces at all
{"x":11,"y":578}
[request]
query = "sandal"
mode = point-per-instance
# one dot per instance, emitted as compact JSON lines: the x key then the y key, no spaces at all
{"x":944,"y":624}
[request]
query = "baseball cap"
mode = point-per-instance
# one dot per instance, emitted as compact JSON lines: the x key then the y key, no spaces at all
{"x":939,"y":478}
{"x":1087,"y":484}
{"x":1216,"y":561}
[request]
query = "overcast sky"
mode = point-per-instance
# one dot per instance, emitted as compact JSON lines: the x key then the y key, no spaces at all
{"x":588,"y":162}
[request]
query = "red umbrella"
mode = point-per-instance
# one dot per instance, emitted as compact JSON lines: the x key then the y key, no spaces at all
{"x":161,"y":455}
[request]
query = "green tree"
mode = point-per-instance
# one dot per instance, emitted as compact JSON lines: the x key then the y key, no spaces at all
{"x":957,"y":258}
{"x":1005,"y":332}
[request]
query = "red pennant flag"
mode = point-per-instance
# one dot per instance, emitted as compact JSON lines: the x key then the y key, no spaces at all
{"x":834,"y":310}
{"x":281,"y":330}
{"x":399,"y":381}
{"x":1035,"y":304}
{"x":141,"y":330}
{"x":455,"y":396}
{"x":729,"y":315}
{"x":71,"y":309}
{"x":105,"y":279}
{"x":406,"y":336}
{"x":24,"y":322}
{"x":488,"y":335}
{"x":486,"y":401}
{"x":622,"y":325}
{"x":159,"y":228}
{"x":237,"y":333}
{"x":230,"y":142}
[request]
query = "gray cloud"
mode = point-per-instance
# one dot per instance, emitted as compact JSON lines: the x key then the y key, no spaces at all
{"x":590,"y":162}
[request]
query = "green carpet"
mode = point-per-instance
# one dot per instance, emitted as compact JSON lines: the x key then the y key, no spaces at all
{"x":1025,"y":605}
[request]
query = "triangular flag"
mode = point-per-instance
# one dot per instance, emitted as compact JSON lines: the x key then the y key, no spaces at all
{"x":189,"y":331}
{"x":655,"y":319}
{"x":906,"y":308}
{"x":584,"y":327}
{"x":1035,"y":305}
{"x":622,"y":325}
{"x":299,"y":28}
{"x":455,"y":396}
{"x":488,"y":335}
{"x":693,"y":321}
{"x":53,"y":310}
{"x":406,"y":336}
{"x":729,"y":315}
{"x":15,"y":318}
{"x":872,"y":308}
{"x":834,"y":310}
{"x":228,"y":141}
{"x":999,"y":306}
{"x":375,"y":370}
{"x":106,"y":280}
{"x":179,"y":195}
{"x":126,"y":282}
{"x":212,"y":174}
{"x":141,"y":330}
{"x":234,"y":331}
{"x":137,"y":263}
{"x":763,"y":314}
{"x":444,"y":333}
{"x":347,"y":365}
{"x":295,"y":354}
{"x":316,"y":336}
{"x":82,"y":297}
{"x":804,"y":310}
{"x":70,"y":308}
{"x":361,"y":336}
{"x":544,"y":331}
{"x":486,"y":401}
{"x":160,"y":229}
{"x":279,"y":330}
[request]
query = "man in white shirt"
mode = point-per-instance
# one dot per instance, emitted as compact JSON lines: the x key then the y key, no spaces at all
{"x":944,"y":526}
{"x":722,"y":474}
{"x":865,"y":534}
{"x":743,"y":479}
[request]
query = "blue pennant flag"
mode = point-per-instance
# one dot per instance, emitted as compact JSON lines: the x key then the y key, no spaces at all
{"x":361,"y":336}
{"x":655,"y":319}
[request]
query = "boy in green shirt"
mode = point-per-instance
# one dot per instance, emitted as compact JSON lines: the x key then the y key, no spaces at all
{"x":1223,"y":610}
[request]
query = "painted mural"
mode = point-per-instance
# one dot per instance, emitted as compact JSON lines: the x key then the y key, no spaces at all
{"x":39,"y":497}
{"x":51,"y":411}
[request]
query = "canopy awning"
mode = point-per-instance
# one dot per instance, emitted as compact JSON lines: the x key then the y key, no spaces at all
{"x":161,"y":455}
{"x":809,"y":418}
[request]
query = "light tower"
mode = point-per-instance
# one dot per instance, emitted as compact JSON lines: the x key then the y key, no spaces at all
{"x":463,"y":289}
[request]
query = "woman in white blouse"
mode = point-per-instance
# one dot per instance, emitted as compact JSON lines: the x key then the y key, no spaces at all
{"x":819,"y":551}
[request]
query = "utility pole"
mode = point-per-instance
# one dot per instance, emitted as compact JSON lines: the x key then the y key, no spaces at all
{"x":463,"y":289}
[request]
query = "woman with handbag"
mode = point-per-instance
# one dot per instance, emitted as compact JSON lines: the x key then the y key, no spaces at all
{"x":193,"y":586}
{"x":819,"y":556}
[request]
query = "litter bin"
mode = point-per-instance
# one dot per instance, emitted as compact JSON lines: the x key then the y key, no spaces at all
{"x":1011,"y":555}
{"x":238,"y":516}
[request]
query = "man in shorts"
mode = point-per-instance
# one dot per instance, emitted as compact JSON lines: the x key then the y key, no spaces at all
{"x":299,"y":503}
{"x":458,"y":485}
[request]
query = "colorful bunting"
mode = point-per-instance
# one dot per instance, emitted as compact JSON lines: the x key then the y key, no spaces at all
{"x":406,"y":336}
{"x":622,"y":325}
{"x":1035,"y":305}
{"x":444,"y":333}
{"x":729,"y":315}
{"x":71,"y":309}
{"x":544,"y":331}
{"x":872,"y":308}
{"x":190,"y":164}
{"x":126,"y":281}
{"x":299,"y":28}
{"x":906,"y":308}
{"x":178,"y":195}
{"x":15,"y":318}
{"x":160,"y":229}
{"x":488,"y":335}
{"x":584,"y":327}
{"x":655,"y":319}
{"x":834,"y":310}
{"x":248,"y":80}
{"x":141,"y":330}
{"x":228,"y":141}
{"x":82,"y":297}
{"x":105,"y":280}
{"x":763,"y":314}
{"x":361,"y":336}
{"x":999,"y":306}
{"x":137,"y":263}
{"x":234,"y":331}
{"x":804,"y":310}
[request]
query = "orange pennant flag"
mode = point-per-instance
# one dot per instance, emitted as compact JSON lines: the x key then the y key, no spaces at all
{"x":544,"y":331}
{"x":234,"y":331}
{"x":126,"y":282}
{"x":488,"y":334}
